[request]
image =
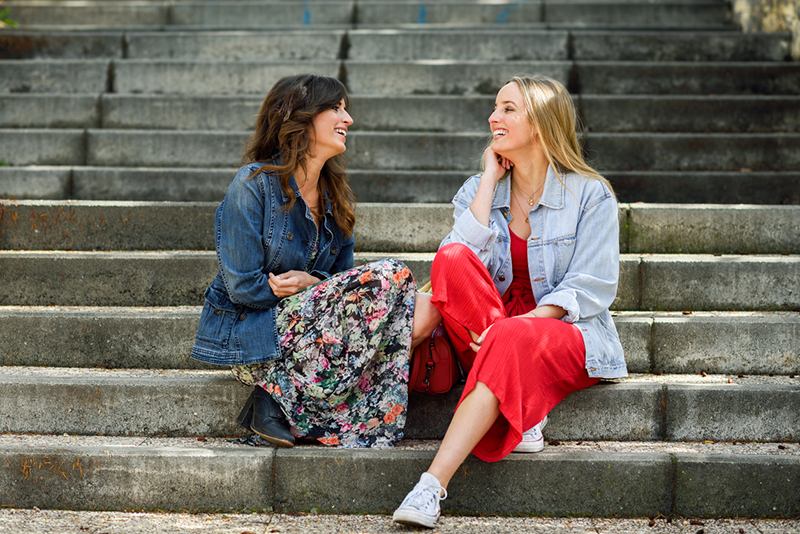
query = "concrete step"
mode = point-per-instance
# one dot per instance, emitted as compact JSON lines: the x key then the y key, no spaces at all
{"x":201,"y":77}
{"x":199,"y":185}
{"x":694,"y":151}
{"x":26,"y":44}
{"x":443,"y":12}
{"x":176,"y":278}
{"x":736,"y":343}
{"x":488,"y":44}
{"x":625,"y":45}
{"x":155,"y":15}
{"x":136,"y":226}
{"x":420,"y":113}
{"x":443,"y":77}
{"x":690,"y":113}
{"x":626,"y":14}
{"x":54,"y":76}
{"x":641,"y":480}
{"x":205,"y":403}
{"x":720,"y":78}
{"x":398,"y":151}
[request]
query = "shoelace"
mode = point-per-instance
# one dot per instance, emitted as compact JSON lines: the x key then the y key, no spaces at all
{"x":426,"y":495}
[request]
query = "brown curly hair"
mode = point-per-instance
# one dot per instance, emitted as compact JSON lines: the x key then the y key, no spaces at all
{"x":282,"y":139}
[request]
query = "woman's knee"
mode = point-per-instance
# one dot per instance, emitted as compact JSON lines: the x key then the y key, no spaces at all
{"x":452,"y":255}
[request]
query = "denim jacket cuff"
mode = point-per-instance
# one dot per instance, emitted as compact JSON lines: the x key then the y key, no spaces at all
{"x":322,"y":275}
{"x":564,"y":301}
{"x":473,"y":232}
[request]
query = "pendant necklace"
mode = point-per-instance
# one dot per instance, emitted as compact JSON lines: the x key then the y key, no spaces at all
{"x":520,"y":205}
{"x":531,"y":202}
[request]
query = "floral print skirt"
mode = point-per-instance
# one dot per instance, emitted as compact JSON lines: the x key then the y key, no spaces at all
{"x":343,"y":378}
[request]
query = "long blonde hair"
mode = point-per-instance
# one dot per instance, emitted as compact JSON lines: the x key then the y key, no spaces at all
{"x":552,"y":113}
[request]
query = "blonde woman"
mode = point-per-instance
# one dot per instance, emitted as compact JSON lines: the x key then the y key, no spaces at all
{"x":523,"y":282}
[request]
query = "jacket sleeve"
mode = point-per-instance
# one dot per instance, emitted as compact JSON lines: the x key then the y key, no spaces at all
{"x":589,"y":285}
{"x":466,"y":229}
{"x":239,"y":226}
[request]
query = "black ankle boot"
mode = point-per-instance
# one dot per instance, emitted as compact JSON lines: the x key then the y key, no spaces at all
{"x":262,"y":415}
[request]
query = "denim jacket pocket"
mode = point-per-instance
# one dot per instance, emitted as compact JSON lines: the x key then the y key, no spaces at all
{"x":217,"y":319}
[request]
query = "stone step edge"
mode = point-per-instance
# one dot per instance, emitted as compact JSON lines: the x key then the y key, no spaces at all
{"x":206,"y":403}
{"x":375,"y":481}
{"x":745,"y":343}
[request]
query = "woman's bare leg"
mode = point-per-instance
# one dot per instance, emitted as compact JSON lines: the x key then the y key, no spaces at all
{"x":426,"y":318}
{"x":474,"y":417}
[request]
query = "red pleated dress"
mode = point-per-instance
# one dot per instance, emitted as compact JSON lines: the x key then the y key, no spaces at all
{"x":530,"y":364}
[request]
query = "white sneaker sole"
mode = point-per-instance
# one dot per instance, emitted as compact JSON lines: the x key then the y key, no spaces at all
{"x":414,"y":518}
{"x":530,"y":446}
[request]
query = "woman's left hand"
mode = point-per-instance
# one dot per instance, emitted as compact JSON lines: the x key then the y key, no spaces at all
{"x":288,"y":283}
{"x":476,"y":345}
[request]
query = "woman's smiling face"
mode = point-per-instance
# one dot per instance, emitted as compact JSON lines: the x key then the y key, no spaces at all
{"x":329,"y":134}
{"x":511,"y":129}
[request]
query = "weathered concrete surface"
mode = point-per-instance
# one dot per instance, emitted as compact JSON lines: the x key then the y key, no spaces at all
{"x":151,"y":184}
{"x":694,"y":151}
{"x":89,"y":14}
{"x":730,"y":412}
{"x":426,"y":113}
{"x":402,"y":227}
{"x":112,"y":338}
{"x":636,"y":14}
{"x":42,"y":147}
{"x":137,"y":478}
{"x":724,"y":486}
{"x":703,"y":228}
{"x":474,"y":45}
{"x":609,"y":77}
{"x":99,"y":225}
{"x":179,"y":112}
{"x":590,"y":484}
{"x":105,"y":278}
{"x":442,"y":76}
{"x":727,"y":344}
{"x":451,"y":13}
{"x":49,"y":111}
{"x":635,"y":336}
{"x":673,"y":283}
{"x":752,"y":187}
{"x":237,"y":45}
{"x":678,"y":46}
{"x":406,"y":186}
{"x":255,"y":15}
{"x":690,"y":113}
{"x":20,"y":44}
{"x":54,"y":76}
{"x":97,"y":403}
{"x":199,"y":77}
{"x":34,"y":182}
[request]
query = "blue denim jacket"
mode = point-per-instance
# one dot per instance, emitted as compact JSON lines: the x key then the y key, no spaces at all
{"x":573,"y":255}
{"x":254,"y":237}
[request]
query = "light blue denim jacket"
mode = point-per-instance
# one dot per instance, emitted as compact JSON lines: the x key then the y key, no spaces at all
{"x":254,"y":237}
{"x":573,"y":255}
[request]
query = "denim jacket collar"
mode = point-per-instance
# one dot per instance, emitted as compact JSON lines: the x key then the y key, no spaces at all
{"x":552,"y":195}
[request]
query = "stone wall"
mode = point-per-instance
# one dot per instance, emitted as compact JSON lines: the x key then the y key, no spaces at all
{"x":770,"y":16}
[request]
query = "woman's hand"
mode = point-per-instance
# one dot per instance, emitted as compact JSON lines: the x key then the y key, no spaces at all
{"x":288,"y":283}
{"x":476,"y":344}
{"x":495,"y":165}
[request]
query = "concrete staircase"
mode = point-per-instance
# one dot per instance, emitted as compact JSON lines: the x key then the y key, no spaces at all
{"x":121,"y":124}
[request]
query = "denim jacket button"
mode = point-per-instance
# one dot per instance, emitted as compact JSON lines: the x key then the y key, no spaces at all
{"x":334,"y":250}
{"x":501,"y":278}
{"x":217,"y":312}
{"x":290,"y":236}
{"x":243,"y":316}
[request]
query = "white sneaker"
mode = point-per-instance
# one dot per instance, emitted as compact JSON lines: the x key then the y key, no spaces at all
{"x":532,"y":440}
{"x":421,"y":505}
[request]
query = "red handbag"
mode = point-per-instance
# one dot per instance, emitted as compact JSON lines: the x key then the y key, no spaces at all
{"x":434,"y":365}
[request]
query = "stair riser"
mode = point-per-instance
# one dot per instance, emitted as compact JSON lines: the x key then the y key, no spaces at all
{"x":390,"y":227}
{"x":176,"y":279}
{"x":54,"y":76}
{"x":681,"y":485}
{"x":208,"y":407}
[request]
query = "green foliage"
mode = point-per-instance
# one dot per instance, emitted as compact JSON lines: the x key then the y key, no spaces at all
{"x":5,"y":21}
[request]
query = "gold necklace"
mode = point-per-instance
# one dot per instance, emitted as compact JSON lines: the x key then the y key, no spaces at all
{"x":519,"y":205}
{"x":531,"y":202}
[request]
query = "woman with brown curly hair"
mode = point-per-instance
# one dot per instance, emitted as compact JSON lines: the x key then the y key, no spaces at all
{"x":325,"y":346}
